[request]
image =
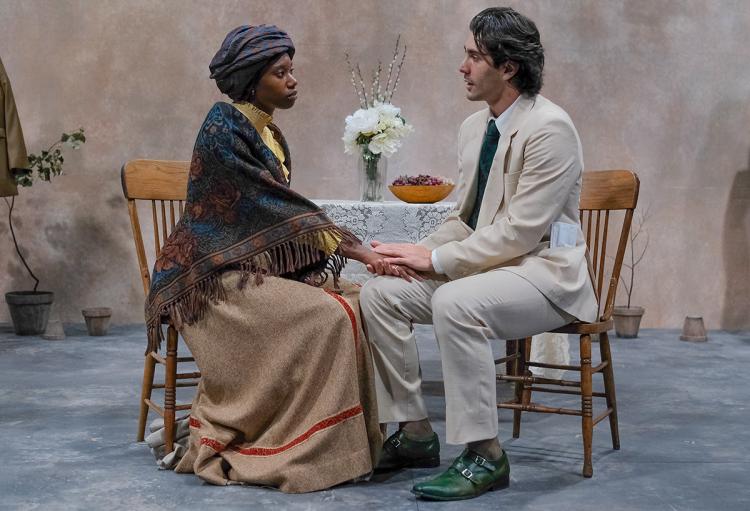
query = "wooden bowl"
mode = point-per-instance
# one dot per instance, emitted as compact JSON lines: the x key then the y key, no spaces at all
{"x":421,"y":194}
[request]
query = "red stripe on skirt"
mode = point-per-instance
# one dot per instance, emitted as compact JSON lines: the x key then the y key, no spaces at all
{"x":349,"y":312}
{"x":271,"y":451}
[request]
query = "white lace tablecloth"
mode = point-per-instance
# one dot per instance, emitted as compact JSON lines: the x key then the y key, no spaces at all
{"x":391,"y":221}
{"x":399,"y":221}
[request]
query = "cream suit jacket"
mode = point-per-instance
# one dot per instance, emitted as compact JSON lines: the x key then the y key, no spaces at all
{"x":12,"y":147}
{"x":535,"y":180}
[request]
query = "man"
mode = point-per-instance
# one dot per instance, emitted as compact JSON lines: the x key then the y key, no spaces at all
{"x":491,"y":271}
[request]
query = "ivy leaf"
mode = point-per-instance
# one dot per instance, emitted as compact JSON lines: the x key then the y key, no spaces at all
{"x":22,"y":177}
{"x":49,"y":162}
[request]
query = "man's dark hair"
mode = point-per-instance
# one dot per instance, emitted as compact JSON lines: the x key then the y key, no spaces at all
{"x":504,"y":34}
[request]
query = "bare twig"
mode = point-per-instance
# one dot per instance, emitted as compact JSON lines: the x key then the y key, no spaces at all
{"x":378,"y":92}
{"x":362,"y":84}
{"x":390,"y":67}
{"x":643,"y":251}
{"x":372,"y":86}
{"x":377,"y":79}
{"x":632,"y":268}
{"x":362,"y":102}
{"x":636,"y":230}
{"x":15,"y":242}
{"x":398,"y":75}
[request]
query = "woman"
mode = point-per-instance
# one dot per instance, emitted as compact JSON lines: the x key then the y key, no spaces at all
{"x":286,"y":396}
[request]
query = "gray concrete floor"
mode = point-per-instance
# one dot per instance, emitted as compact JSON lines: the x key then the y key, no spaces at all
{"x":68,"y":413}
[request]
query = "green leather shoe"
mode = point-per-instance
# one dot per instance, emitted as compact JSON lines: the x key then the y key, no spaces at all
{"x":400,"y":451}
{"x":470,"y":476}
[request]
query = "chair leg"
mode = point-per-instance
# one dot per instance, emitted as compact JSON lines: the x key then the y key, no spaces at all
{"x":609,"y":388}
{"x":146,"y":386}
{"x":523,"y":389}
{"x":518,"y":386}
{"x":511,"y":348}
{"x":526,"y":371}
{"x":587,"y":427}
{"x":170,"y":383}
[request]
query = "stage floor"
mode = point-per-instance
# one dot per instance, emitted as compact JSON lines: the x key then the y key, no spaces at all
{"x":69,"y":410}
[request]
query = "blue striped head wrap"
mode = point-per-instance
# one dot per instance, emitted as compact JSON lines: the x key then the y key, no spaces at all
{"x":244,"y":54}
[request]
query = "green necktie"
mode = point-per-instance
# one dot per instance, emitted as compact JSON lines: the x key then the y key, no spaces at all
{"x":486,"y":155}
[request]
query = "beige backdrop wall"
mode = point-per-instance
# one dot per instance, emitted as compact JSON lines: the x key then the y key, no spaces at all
{"x":661,"y":87}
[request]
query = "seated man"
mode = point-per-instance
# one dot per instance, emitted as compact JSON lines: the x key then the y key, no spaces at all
{"x":491,"y":270}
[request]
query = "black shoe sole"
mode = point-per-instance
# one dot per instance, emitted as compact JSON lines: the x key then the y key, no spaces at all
{"x":500,"y":484}
{"x":419,"y":463}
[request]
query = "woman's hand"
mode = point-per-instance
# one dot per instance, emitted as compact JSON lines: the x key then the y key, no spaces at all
{"x":378,"y":264}
{"x":375,"y":262}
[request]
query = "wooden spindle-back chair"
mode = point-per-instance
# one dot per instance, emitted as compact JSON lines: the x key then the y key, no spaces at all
{"x":603,"y":194}
{"x":163,"y":186}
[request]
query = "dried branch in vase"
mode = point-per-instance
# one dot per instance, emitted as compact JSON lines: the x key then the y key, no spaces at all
{"x":377,"y":93}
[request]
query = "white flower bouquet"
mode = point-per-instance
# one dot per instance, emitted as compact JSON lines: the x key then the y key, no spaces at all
{"x":377,"y":127}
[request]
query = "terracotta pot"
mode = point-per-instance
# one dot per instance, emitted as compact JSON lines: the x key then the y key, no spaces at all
{"x":627,"y":321}
{"x":693,"y":329}
{"x":29,"y":310}
{"x":97,"y":320}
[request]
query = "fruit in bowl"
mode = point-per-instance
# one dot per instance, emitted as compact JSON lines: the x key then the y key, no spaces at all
{"x":423,"y":189}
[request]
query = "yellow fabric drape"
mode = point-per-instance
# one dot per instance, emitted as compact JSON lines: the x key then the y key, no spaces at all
{"x":260,"y":121}
{"x":12,"y":146}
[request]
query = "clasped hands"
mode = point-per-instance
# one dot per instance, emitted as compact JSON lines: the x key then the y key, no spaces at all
{"x":405,"y":260}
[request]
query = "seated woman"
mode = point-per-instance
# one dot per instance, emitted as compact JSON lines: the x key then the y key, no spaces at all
{"x":286,"y":396}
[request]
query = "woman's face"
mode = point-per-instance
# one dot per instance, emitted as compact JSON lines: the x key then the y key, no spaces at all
{"x":277,"y":87}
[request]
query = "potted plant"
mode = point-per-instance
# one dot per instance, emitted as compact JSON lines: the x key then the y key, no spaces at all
{"x":29,"y":310}
{"x":628,"y":317}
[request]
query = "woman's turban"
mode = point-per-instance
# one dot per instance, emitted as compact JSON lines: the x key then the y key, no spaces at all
{"x":245,"y":52}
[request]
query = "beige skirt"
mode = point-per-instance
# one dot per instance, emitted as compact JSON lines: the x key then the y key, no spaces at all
{"x":286,"y":397}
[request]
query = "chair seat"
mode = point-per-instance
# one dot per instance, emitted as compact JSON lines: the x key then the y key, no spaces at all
{"x":581,"y":327}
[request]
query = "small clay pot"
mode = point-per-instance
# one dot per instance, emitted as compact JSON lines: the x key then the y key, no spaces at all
{"x":97,"y":320}
{"x":54,"y":331}
{"x":627,"y":321}
{"x":693,"y":329}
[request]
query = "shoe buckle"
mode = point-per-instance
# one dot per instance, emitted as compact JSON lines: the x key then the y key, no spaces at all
{"x":395,"y":442}
{"x":479,"y":460}
{"x":467,"y":473}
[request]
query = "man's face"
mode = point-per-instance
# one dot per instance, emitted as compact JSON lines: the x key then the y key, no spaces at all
{"x":484,"y":82}
{"x":277,"y":88}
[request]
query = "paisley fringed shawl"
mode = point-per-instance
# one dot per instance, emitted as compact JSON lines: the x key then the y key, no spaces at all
{"x":240,"y":214}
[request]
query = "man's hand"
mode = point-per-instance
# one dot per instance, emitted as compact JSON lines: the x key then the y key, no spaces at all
{"x":413,"y":256}
{"x":376,"y":263}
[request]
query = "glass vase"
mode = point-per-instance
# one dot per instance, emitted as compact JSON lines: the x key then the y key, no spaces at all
{"x":372,"y":176}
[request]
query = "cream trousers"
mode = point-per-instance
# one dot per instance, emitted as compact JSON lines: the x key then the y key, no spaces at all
{"x":466,"y":315}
